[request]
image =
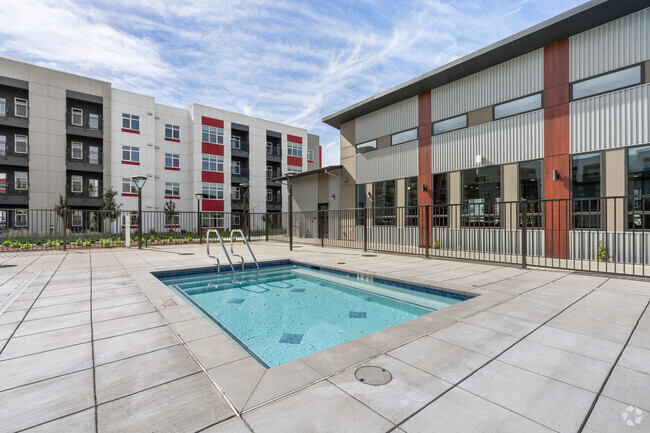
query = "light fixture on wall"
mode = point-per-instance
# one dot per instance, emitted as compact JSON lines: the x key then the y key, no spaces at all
{"x":369,"y":195}
{"x":424,"y":188}
{"x":333,"y":197}
{"x":478,"y":159}
{"x":556,"y":175}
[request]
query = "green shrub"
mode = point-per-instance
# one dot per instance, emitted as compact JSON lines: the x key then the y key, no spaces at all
{"x":436,"y":244}
{"x":603,"y":252}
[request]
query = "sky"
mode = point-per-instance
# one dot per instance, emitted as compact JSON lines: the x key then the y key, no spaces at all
{"x":293,"y":62}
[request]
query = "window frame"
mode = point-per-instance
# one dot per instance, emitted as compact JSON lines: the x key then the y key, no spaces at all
{"x":294,"y":149}
{"x":16,"y":182}
{"x":3,"y":105}
{"x":131,"y":153}
{"x":235,"y":142}
{"x":573,"y":200}
{"x":90,"y":190}
{"x":25,"y":103}
{"x":3,"y":145}
{"x":132,"y":188}
{"x":90,"y":153}
{"x":234,"y":164}
{"x":133,"y":119}
{"x":76,"y":178}
{"x":356,"y":147}
{"x":174,"y":132}
{"x":269,"y":195}
{"x":78,"y":145}
{"x":173,"y":158}
{"x":80,"y":113}
{"x":172,"y":189}
{"x":403,"y":132}
{"x":433,"y":124}
{"x":21,"y":213}
{"x":26,"y":141}
{"x":310,"y":158}
{"x":642,"y":80}
{"x":541,"y":106}
{"x":92,"y":116}
{"x":235,"y":196}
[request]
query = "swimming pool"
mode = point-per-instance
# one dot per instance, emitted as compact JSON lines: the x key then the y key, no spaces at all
{"x":293,"y":310}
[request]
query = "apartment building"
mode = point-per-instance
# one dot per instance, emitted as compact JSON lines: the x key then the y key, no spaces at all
{"x":559,"y":111}
{"x":71,"y":136}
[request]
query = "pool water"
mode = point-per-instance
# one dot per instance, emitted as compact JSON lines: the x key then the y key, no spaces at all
{"x":292,"y":311}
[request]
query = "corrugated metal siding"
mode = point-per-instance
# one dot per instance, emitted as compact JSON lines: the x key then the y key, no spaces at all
{"x":612,"y":120}
{"x":619,"y":43}
{"x":517,"y":138}
{"x":395,"y":118}
{"x":393,"y":162}
{"x":517,"y":77}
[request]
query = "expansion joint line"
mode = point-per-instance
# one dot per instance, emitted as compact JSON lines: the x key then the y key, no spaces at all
{"x":92,"y":341}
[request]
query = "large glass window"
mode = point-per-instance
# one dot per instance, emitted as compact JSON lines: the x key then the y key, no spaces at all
{"x":404,"y":137}
{"x":213,"y":191}
{"x":93,"y":187}
{"x":93,"y":154}
{"x":481,"y":197}
{"x":639,"y":186}
{"x":77,"y":150}
{"x":448,"y":125}
{"x":383,"y":202}
{"x":518,"y":106}
{"x":211,"y":134}
{"x":361,"y":203}
{"x":585,"y":175}
{"x":93,"y":121}
{"x":440,"y":208}
{"x":172,"y":132}
{"x":77,"y":117}
{"x":607,"y":83}
{"x":367,"y":146}
{"x":530,"y":189}
{"x":172,"y":160}
{"x":20,"y":144}
{"x":131,"y":122}
{"x":77,"y":183}
{"x":131,"y":153}
{"x":21,"y":182}
{"x":411,"y":185}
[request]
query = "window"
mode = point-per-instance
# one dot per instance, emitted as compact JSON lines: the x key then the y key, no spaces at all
{"x":367,"y":146}
{"x":235,"y":142}
{"x":269,"y":195}
{"x":172,"y":189}
{"x":21,"y":107}
{"x":294,"y":149}
{"x":518,"y":106}
{"x":294,"y":169}
{"x":585,"y":175}
{"x":172,"y":131}
{"x":481,"y":195}
{"x":77,"y":218}
{"x":235,"y":167}
{"x":172,"y":160}
{"x":77,"y":150}
{"x":212,"y":163}
{"x":411,"y":185}
{"x":93,"y":155}
{"x":310,"y":155}
{"x":212,"y":134}
{"x":77,"y":117}
{"x":440,"y":208}
{"x":234,"y":192}
{"x":638,"y":162}
{"x":449,"y":125}
{"x":77,"y":184}
{"x":235,"y":221}
{"x":383,"y":203}
{"x":20,"y":145}
{"x":172,"y":219}
{"x":530,"y":189}
{"x":131,"y":122}
{"x":607,"y":82}
{"x":404,"y":137}
{"x":361,"y":203}
{"x":20,"y":178}
{"x":3,"y":107}
{"x":128,"y":186}
{"x":3,"y":184}
{"x":213,"y":191}
{"x":269,"y":148}
{"x":212,"y":219}
{"x":93,"y":121}
{"x":3,"y":145}
{"x":21,"y":218}
{"x":131,"y":153}
{"x":93,"y":187}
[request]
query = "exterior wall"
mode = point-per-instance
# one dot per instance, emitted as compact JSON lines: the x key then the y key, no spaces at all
{"x":619,"y":43}
{"x":509,"y":80}
{"x":313,"y":144}
{"x":349,"y":163}
{"x":395,"y":118}
{"x":390,"y":163}
{"x":517,"y":138}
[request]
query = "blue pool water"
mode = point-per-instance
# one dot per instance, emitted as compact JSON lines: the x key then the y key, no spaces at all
{"x":292,"y":311}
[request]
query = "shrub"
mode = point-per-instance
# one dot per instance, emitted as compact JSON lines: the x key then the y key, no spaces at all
{"x":603,"y":252}
{"x":436,"y":244}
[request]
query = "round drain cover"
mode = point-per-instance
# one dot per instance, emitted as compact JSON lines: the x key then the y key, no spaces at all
{"x":371,"y":375}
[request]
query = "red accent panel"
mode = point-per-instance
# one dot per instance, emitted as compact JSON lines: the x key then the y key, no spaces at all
{"x":173,"y":197}
{"x":128,"y":194}
{"x":130,"y":131}
{"x":556,"y":133}
{"x":294,"y":139}
{"x":294,"y":160}
{"x":174,"y":140}
{"x":211,"y":122}
{"x":211,"y":176}
{"x":130,"y":163}
{"x":320,"y":156}
{"x":211,"y":148}
{"x":424,"y":158}
{"x":556,"y":64}
{"x":172,"y":168}
{"x":212,"y":205}
{"x":556,"y":95}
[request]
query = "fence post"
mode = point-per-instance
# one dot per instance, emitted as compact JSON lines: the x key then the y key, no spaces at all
{"x":320,"y":228}
{"x":365,"y":228}
{"x":427,"y":231}
{"x":524,"y":236}
{"x":65,"y":229}
{"x":266,"y":226}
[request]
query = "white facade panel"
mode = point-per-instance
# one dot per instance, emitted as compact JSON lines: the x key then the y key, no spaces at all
{"x":393,"y":162}
{"x":395,"y":118}
{"x":614,"y":45}
{"x":611,"y":120}
{"x":517,"y":138}
{"x":509,"y":80}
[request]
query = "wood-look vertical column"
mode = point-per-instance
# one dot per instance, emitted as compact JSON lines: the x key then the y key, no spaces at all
{"x":424,"y":159}
{"x":556,"y":148}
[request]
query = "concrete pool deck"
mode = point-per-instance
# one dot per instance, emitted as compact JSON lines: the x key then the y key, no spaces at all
{"x":91,"y":340}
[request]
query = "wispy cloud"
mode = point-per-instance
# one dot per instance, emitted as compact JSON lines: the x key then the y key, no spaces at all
{"x":283,"y":60}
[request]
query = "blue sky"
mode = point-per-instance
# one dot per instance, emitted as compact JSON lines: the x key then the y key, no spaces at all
{"x":288,"y":61}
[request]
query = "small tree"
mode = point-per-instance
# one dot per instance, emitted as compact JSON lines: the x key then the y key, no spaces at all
{"x":109,"y":207}
{"x":170,"y":213}
{"x":61,"y":208}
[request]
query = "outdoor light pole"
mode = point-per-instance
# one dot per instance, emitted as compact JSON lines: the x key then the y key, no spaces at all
{"x":139,"y":181}
{"x":289,"y":176}
{"x":198,"y":196}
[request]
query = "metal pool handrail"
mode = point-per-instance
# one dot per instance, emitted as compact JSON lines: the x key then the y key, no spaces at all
{"x":207,"y":237}
{"x":249,"y":250}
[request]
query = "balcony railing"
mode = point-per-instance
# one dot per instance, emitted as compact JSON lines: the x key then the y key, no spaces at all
{"x":12,"y":110}
{"x":241,"y":175}
{"x":85,"y":125}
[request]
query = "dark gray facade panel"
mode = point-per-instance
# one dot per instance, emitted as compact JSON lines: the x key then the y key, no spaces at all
{"x":12,"y":82}
{"x":239,"y":127}
{"x":273,"y":134}
{"x":84,"y":97}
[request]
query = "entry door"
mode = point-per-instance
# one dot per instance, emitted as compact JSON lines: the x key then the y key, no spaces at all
{"x":323,"y":220}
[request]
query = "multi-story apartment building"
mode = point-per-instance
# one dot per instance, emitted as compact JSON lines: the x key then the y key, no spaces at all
{"x":74,"y":137}
{"x":559,"y":111}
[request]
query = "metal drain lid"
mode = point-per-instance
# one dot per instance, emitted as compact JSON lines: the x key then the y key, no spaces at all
{"x":372,"y":375}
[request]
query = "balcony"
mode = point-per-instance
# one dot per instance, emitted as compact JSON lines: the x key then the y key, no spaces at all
{"x":237,"y":205}
{"x":240,"y":177}
{"x":9,"y":116}
{"x":83,"y":199}
{"x":85,"y":127}
{"x":85,"y":164}
{"x":243,"y":150}
{"x":11,"y":196}
{"x":9,"y":156}
{"x":275,"y":155}
{"x":274,"y":205}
